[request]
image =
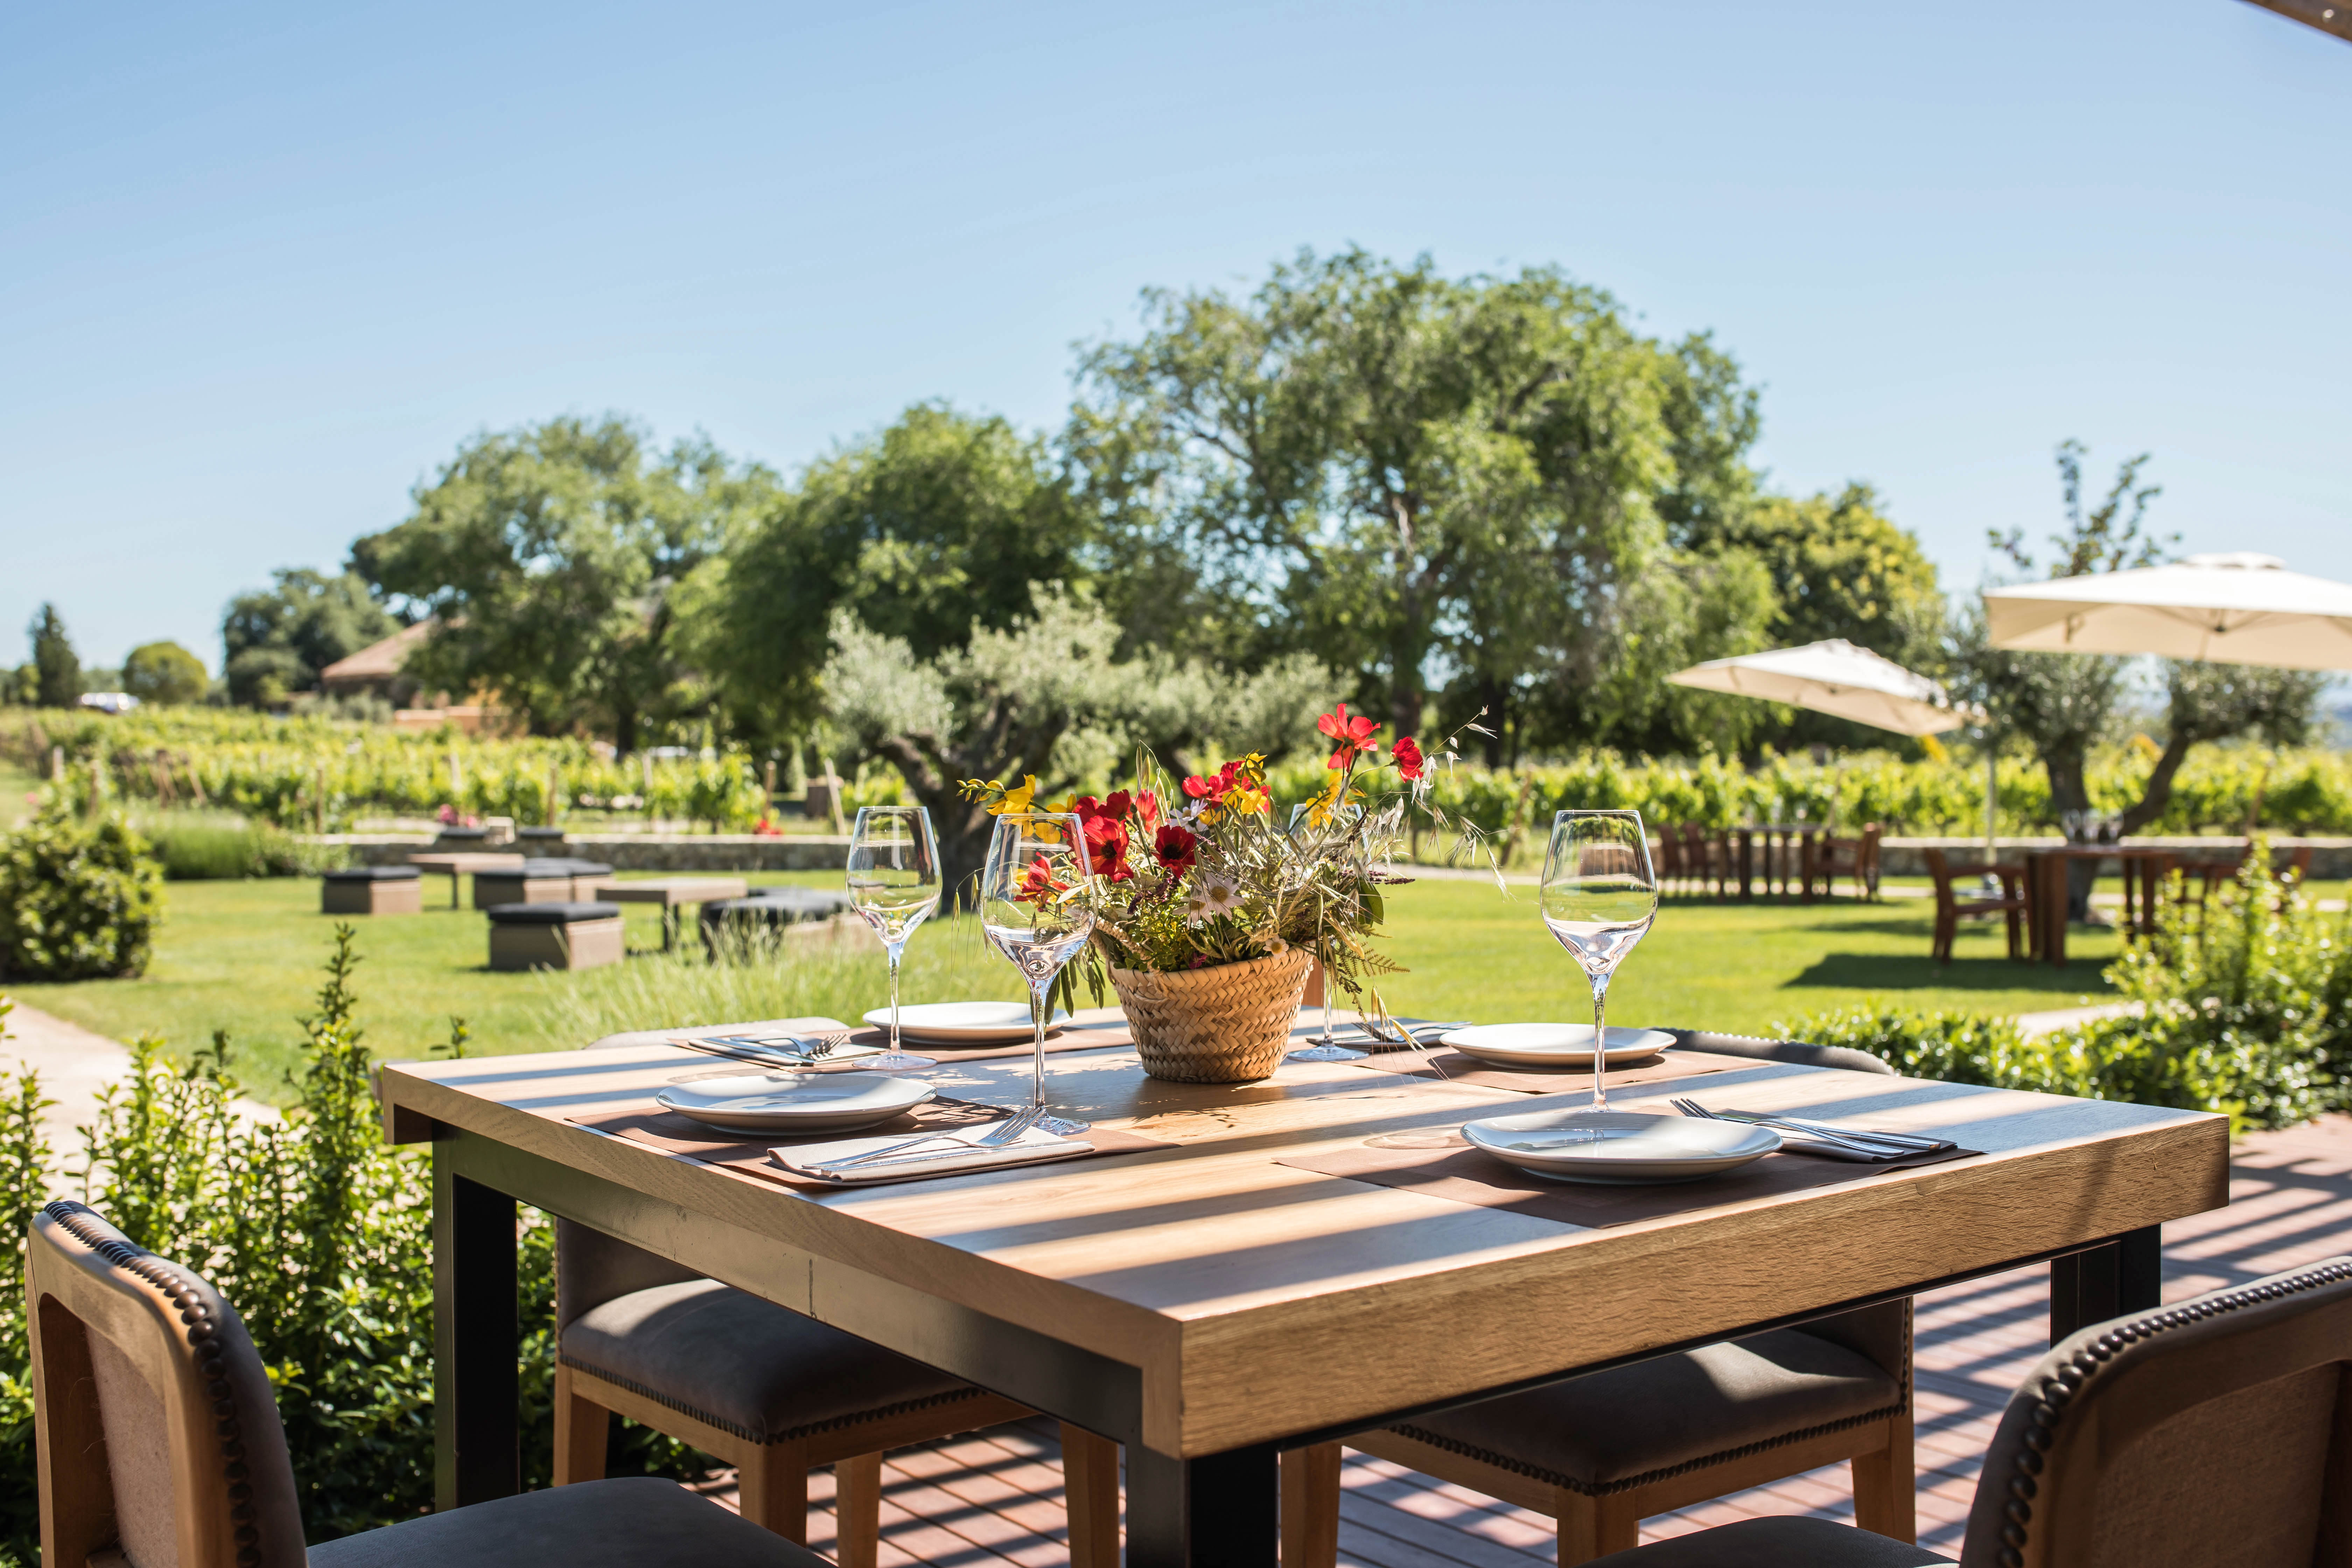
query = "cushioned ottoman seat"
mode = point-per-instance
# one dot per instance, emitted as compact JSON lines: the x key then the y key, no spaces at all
{"x":557,"y":934}
{"x":548,"y":879}
{"x":1782,"y":1541}
{"x":768,"y":910}
{"x":372,"y":891}
{"x":628,"y":1523}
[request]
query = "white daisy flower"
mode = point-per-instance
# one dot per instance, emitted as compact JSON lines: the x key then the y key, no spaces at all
{"x":1211,"y":897}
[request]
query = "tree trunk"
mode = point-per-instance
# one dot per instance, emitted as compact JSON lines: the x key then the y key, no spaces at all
{"x":624,"y":730}
{"x":2159,"y":793}
{"x":2069,"y":792}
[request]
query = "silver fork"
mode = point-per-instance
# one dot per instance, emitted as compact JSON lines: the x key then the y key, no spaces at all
{"x":1860,"y":1143}
{"x":1004,"y":1132}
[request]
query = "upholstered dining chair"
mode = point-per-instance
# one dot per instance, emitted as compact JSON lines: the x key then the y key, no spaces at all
{"x":159,"y":1445}
{"x":2214,"y":1432}
{"x":1600,"y":1453}
{"x":772,"y":1393}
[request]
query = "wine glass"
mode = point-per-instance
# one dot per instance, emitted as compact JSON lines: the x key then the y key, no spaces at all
{"x":894,"y":882}
{"x":1600,"y":895}
{"x":1325,"y":1048}
{"x":1036,"y":910}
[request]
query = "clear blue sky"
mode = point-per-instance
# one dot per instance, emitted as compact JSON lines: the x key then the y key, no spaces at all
{"x":262,"y":267}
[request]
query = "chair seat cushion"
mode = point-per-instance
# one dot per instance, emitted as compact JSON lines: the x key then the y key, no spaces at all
{"x":749,"y":1366}
{"x":637,"y":1523}
{"x":373,"y":874}
{"x":1612,"y":1429}
{"x":563,"y":865}
{"x":1776,"y":1543}
{"x":551,"y":914}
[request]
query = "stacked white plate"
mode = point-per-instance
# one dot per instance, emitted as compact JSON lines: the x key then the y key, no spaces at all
{"x":964,"y":1023}
{"x":795,"y":1104}
{"x":1618,"y":1148}
{"x":1552,"y":1044}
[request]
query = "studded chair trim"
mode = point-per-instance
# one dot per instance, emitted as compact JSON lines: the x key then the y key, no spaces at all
{"x":232,"y":1488}
{"x":2008,"y":1525}
{"x":671,"y":1402}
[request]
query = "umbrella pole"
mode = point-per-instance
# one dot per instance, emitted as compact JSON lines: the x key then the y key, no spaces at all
{"x":1992,"y":802}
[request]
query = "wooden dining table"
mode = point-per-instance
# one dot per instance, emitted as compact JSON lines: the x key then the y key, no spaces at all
{"x":1211,"y":1299}
{"x":2046,"y":871}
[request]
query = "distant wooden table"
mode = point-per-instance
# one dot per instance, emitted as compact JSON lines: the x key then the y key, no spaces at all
{"x":1796,"y":837}
{"x":1208,"y":1306}
{"x":2045,"y":892}
{"x":464,"y":864}
{"x":670,"y":892}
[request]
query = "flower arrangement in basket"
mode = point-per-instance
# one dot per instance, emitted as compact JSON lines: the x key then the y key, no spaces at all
{"x":1209,"y":915}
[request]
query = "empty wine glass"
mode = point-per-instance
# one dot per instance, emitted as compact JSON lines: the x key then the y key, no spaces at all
{"x":1325,"y":1048}
{"x":1036,"y":910}
{"x":894,"y":882}
{"x":1600,"y":895}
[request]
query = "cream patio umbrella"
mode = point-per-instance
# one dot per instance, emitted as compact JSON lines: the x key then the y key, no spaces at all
{"x":2237,"y":608}
{"x":1834,"y":677}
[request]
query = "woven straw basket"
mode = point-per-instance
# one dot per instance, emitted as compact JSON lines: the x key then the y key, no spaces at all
{"x":1226,"y":1025}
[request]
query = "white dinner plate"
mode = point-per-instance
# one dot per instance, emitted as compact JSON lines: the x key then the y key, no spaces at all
{"x":794,"y":1102}
{"x":963,"y":1023}
{"x":1552,"y":1044}
{"x":1632,"y":1149}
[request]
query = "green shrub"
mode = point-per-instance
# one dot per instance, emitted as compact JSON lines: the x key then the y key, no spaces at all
{"x":2244,"y":1007}
{"x":318,"y":1233}
{"x":205,"y":851}
{"x":78,"y":899}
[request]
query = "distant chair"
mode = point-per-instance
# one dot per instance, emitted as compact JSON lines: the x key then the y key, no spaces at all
{"x":2295,"y":865}
{"x":1672,"y":877}
{"x":1950,"y":908}
{"x":1856,"y":857}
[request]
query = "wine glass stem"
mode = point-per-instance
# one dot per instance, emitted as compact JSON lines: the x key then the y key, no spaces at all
{"x":1327,"y":1005}
{"x":896,"y":949}
{"x":1599,"y":1042}
{"x":1037,"y":996}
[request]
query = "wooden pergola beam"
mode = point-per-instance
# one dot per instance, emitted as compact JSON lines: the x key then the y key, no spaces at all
{"x":2327,"y":16}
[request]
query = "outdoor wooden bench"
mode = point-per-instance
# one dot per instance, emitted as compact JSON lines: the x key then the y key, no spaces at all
{"x":568,"y":934}
{"x":372,"y":891}
{"x":458,"y":865}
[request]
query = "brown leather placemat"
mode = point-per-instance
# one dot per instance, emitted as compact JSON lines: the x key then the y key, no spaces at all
{"x":675,"y":1134}
{"x":1438,"y":1062}
{"x":1468,"y":1175}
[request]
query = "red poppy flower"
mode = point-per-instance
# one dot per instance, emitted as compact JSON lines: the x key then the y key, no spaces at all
{"x":1409,"y":759}
{"x":1146,"y":810}
{"x":1118,"y":806}
{"x":1107,"y":847}
{"x":1176,"y":849}
{"x":1354,"y":734}
{"x":1038,"y":883}
{"x":1200,"y":788}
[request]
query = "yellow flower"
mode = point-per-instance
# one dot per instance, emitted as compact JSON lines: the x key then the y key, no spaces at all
{"x":1017,"y":799}
{"x":1326,"y":805}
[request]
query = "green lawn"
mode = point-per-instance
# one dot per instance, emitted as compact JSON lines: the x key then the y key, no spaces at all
{"x":244,"y":956}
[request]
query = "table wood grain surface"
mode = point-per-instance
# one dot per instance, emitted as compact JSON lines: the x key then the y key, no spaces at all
{"x":1260,"y":1301}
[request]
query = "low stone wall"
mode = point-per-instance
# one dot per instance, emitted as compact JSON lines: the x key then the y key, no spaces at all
{"x":636,"y":851}
{"x":2331,"y":860}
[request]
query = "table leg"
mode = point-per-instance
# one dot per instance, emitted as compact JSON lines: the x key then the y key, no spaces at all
{"x":1806,"y":864}
{"x":476,"y":1446}
{"x":2123,"y":1274}
{"x":453,"y":891}
{"x":2057,"y":875}
{"x":1222,"y":1510}
{"x":669,"y":927}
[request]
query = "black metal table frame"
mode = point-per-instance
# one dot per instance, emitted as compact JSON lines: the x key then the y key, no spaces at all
{"x":1218,"y":1509}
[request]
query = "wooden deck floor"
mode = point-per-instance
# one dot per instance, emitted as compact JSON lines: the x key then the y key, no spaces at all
{"x":994,"y":1498}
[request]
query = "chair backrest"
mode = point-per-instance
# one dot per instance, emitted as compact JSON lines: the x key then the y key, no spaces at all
{"x":137,"y":1358}
{"x":2216,"y":1432}
{"x":1801,"y":1052}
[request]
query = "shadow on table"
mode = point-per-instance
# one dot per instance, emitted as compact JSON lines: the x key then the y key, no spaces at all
{"x":1896,"y":972}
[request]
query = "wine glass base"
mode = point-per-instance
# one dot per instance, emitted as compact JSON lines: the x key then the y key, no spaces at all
{"x":895,"y":1061}
{"x":1325,"y":1051}
{"x":1062,"y":1126}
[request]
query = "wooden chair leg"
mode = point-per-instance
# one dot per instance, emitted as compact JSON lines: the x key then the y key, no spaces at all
{"x":1885,"y":1486}
{"x":1310,"y":1506}
{"x":1090,"y":1494}
{"x":2016,"y":937}
{"x":1593,"y":1527}
{"x":583,"y":1427}
{"x":774,"y":1479}
{"x":857,"y":1511}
